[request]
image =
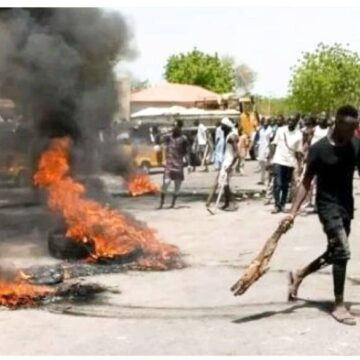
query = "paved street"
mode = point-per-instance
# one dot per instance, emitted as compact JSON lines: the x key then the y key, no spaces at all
{"x":191,"y":311}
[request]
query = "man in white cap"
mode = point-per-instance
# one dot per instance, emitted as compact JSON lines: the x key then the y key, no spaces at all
{"x":231,"y":155}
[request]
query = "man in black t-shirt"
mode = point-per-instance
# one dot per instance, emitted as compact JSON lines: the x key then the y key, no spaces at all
{"x":332,"y":160}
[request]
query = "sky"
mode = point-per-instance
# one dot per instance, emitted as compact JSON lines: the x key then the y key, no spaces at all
{"x":268,"y":39}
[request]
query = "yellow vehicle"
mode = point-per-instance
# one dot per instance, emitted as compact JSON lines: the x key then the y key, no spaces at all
{"x":142,"y":154}
{"x":147,"y":156}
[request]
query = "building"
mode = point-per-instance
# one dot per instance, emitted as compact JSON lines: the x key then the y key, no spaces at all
{"x":167,"y":116}
{"x":168,"y":94}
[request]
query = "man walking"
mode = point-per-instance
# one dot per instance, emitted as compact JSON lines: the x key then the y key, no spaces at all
{"x":230,"y":157}
{"x":175,"y":151}
{"x":275,"y":124}
{"x":202,"y":143}
{"x":332,"y":160}
{"x":265,"y":134}
{"x":287,"y":147}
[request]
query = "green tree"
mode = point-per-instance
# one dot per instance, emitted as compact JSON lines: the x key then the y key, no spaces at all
{"x":270,"y":105}
{"x":325,"y":79}
{"x":199,"y":68}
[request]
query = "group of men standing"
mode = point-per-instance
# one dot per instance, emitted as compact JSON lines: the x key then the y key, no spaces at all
{"x":282,"y":147}
{"x":282,"y":152}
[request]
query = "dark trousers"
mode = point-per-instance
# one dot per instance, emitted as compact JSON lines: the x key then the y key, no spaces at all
{"x":282,"y":180}
{"x":337,"y":253}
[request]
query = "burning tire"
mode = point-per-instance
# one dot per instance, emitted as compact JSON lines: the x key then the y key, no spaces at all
{"x":62,"y":247}
{"x":122,"y":259}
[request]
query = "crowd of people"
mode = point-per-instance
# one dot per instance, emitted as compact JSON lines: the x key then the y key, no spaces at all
{"x":282,"y":154}
{"x":280,"y":145}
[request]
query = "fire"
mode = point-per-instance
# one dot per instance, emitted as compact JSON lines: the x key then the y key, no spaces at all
{"x":140,"y":184}
{"x":111,"y":233}
{"x":16,"y":291}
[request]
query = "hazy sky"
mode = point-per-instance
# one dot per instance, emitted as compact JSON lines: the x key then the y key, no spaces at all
{"x":269,"y":40}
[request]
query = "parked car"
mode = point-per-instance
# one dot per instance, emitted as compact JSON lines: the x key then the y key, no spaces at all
{"x":136,"y":145}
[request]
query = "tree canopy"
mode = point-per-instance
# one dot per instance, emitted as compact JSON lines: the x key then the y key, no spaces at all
{"x":325,"y":79}
{"x":270,"y":105}
{"x":199,"y":68}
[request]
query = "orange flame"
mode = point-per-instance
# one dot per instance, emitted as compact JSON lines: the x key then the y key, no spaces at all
{"x":111,"y":233}
{"x":16,"y":291}
{"x":140,"y":184}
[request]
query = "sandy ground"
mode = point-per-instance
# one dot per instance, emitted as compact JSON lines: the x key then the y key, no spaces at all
{"x":192,"y":311}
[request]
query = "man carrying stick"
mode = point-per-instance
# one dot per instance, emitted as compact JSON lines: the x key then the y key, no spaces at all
{"x":332,"y":160}
{"x":231,"y":155}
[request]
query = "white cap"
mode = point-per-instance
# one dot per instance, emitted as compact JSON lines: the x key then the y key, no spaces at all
{"x":227,"y":122}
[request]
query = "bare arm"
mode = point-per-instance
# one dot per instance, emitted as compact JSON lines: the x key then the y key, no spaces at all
{"x":301,"y":194}
{"x":273,"y":145}
{"x":300,"y":162}
{"x":312,"y":167}
{"x":272,"y":151}
{"x":234,"y":144}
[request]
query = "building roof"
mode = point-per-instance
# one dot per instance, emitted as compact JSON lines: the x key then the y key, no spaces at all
{"x":174,"y":93}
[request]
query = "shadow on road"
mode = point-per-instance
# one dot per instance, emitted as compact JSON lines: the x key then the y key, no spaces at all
{"x":322,"y":306}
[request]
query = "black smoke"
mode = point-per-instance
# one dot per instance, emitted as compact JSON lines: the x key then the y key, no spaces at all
{"x":57,"y":65}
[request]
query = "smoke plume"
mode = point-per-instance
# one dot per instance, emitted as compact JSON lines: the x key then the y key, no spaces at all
{"x":57,"y":64}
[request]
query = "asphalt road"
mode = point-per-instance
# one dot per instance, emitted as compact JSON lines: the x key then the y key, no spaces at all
{"x":190,"y":311}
